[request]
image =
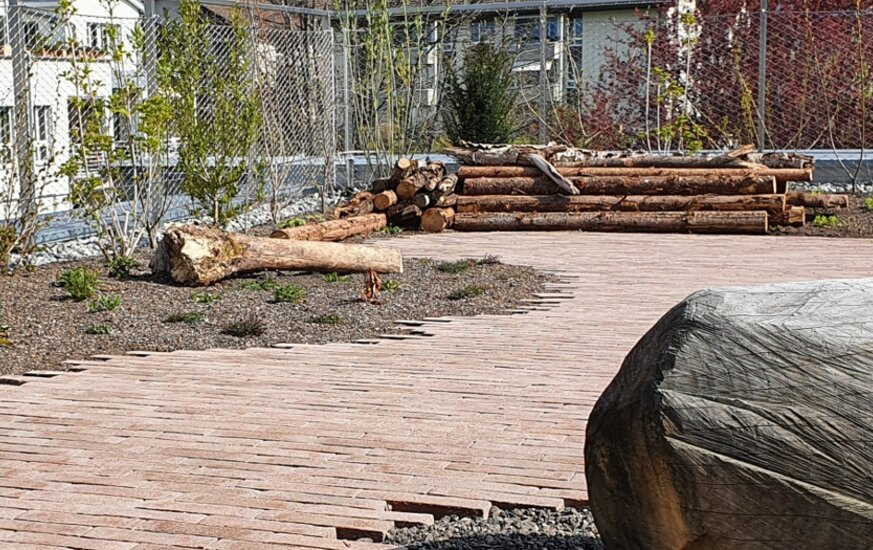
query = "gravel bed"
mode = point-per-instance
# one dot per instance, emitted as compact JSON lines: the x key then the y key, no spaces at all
{"x":46,"y":328}
{"x":519,"y":529}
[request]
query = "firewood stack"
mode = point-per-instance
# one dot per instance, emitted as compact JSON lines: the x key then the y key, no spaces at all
{"x":555,"y":187}
{"x":418,"y":193}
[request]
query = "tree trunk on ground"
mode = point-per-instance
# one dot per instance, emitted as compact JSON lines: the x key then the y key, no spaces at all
{"x":623,"y":185}
{"x":410,"y":185}
{"x":334,"y":230}
{"x":384,"y":200}
{"x":435,"y":220}
{"x":741,"y":421}
{"x":752,"y":223}
{"x":199,"y":256}
{"x":361,"y":203}
{"x":817,"y":200}
{"x":772,"y":204}
{"x":404,"y":213}
{"x":781,"y":174}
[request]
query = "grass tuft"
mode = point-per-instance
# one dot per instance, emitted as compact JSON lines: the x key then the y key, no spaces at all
{"x":467,"y":292}
{"x":205,"y":297}
{"x":98,"y":329}
{"x":327,"y":319}
{"x":335,"y":277}
{"x":81,"y":283}
{"x":392,"y":230}
{"x":289,"y":294}
{"x":189,"y":317}
{"x":455,"y":268}
{"x":262,"y":284}
{"x":103,"y":303}
{"x":868,"y":204}
{"x":245,"y":328}
{"x":826,"y":221}
{"x":390,"y":285}
{"x":489,"y":259}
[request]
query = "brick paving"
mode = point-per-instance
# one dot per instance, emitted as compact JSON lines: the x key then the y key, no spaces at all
{"x":317,"y":446}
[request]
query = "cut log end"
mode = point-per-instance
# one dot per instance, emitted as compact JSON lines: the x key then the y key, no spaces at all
{"x":435,"y":220}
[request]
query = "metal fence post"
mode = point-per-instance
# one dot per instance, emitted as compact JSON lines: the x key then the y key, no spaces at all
{"x":762,"y":76}
{"x":22,"y":131}
{"x":544,"y":78}
{"x":347,"y":123}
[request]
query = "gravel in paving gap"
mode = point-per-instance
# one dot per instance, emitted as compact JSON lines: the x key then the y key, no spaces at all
{"x":519,"y":529}
{"x":47,"y":328}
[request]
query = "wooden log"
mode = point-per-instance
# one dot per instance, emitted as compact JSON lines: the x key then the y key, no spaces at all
{"x":552,"y":173}
{"x":199,"y":256}
{"x":384,"y":200}
{"x":421,"y":200}
{"x":403,"y":168}
{"x":738,"y":158}
{"x":404,"y":213}
{"x":817,"y":200}
{"x":435,"y":220}
{"x":772,"y":204}
{"x":781,"y":174}
{"x":434,"y":172}
{"x":793,"y":215}
{"x":410,"y":185}
{"x":382,"y":184}
{"x":444,"y":200}
{"x":750,"y":223}
{"x":361,"y":203}
{"x":620,"y":185}
{"x":446,"y":186}
{"x":334,"y":230}
{"x":742,"y":414}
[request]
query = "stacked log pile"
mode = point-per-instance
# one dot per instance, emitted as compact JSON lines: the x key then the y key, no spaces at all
{"x":555,"y":187}
{"x":418,"y":193}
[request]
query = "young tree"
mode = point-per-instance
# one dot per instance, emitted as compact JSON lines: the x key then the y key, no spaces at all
{"x":479,"y":99}
{"x":215,"y":107}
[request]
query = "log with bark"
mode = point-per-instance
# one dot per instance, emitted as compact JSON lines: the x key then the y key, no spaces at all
{"x":750,"y":223}
{"x":361,"y":203}
{"x":199,"y":256}
{"x":793,"y":215}
{"x":334,"y":230}
{"x":772,"y":204}
{"x":404,"y":213}
{"x":434,"y":220}
{"x":444,"y":201}
{"x":781,"y":174}
{"x":410,"y":185}
{"x":744,"y":184}
{"x":385,"y":200}
{"x":817,"y":200}
{"x":741,"y":420}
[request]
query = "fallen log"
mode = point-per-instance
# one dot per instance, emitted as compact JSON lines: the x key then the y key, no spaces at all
{"x":738,"y":158}
{"x":740,"y":420}
{"x":334,"y":230}
{"x":552,"y":173}
{"x":384,"y":200}
{"x":435,"y":220}
{"x":410,"y":185}
{"x":199,"y":256}
{"x":749,"y":223}
{"x":772,"y":204}
{"x":792,"y":215}
{"x":817,"y":200}
{"x":660,"y":185}
{"x":422,"y":200}
{"x":404,"y":213}
{"x":781,"y":174}
{"x":361,"y":203}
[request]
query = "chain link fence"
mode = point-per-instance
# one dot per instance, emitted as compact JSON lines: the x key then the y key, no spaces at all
{"x":57,"y":69}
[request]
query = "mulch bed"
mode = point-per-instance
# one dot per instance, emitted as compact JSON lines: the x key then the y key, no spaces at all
{"x":853,"y":222}
{"x":46,"y":328}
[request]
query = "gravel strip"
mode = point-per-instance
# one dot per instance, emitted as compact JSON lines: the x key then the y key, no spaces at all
{"x":519,"y":529}
{"x":47,"y":328}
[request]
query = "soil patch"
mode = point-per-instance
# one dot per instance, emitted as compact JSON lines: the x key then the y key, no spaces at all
{"x":856,"y":221}
{"x":45,"y":327}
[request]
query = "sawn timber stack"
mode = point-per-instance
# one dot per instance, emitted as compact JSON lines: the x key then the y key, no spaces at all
{"x":505,"y":188}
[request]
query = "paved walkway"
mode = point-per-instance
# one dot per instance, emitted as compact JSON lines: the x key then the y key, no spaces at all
{"x":316,"y":446}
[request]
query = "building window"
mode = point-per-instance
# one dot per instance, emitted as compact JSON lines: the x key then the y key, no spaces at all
{"x":100,"y":35}
{"x":576,"y":30}
{"x":42,"y":125}
{"x":482,"y":31}
{"x":31,"y":34}
{"x":528,"y":29}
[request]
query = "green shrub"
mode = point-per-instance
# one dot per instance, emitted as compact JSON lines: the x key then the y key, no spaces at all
{"x":390,"y":285}
{"x":121,"y":266}
{"x":104,"y":303}
{"x":868,"y":203}
{"x":479,"y":101}
{"x":392,"y":230}
{"x":826,"y":221}
{"x":293,"y":222}
{"x":98,"y":329}
{"x":327,"y":319}
{"x":292,"y":294}
{"x":205,"y":297}
{"x":489,"y":259}
{"x":467,"y":292}
{"x":263,"y":284}
{"x":81,"y":283}
{"x":189,"y":317}
{"x":455,"y":268}
{"x":335,"y":277}
{"x":244,"y":328}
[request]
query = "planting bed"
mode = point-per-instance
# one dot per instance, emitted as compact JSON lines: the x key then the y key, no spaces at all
{"x":856,"y":221}
{"x":45,"y":327}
